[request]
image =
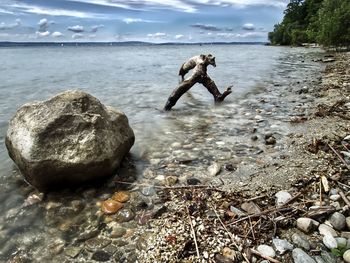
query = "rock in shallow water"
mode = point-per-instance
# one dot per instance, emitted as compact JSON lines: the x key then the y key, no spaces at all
{"x":68,"y":139}
{"x":111,"y":207}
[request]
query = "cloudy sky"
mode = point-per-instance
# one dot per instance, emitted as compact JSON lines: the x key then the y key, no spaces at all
{"x":142,"y":20}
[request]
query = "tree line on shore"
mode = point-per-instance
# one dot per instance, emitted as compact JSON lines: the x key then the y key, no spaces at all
{"x":325,"y":22}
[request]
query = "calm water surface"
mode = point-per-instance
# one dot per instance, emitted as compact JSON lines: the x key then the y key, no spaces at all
{"x":138,"y":80}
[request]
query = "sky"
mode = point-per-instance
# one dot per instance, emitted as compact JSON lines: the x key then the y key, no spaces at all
{"x":155,"y":21}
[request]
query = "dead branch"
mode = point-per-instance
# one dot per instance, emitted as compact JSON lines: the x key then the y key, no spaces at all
{"x":193,"y":232}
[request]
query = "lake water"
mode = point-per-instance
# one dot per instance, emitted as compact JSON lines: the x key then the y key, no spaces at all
{"x":138,"y":80}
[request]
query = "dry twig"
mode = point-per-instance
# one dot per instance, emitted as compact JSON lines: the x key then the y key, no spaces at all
{"x":193,"y":232}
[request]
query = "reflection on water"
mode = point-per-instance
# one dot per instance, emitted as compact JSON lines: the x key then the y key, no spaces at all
{"x":138,"y":80}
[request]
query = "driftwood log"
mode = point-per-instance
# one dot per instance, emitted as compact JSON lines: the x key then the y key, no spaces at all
{"x":199,"y":76}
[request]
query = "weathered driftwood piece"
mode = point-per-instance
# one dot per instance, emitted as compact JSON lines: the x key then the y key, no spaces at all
{"x":199,"y":76}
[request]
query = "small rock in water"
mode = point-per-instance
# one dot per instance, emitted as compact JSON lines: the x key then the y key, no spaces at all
{"x":307,"y":224}
{"x":214,"y":169}
{"x":300,"y":241}
{"x":270,"y":141}
{"x":121,"y":196}
{"x":346,"y":256}
{"x":193,"y":181}
{"x":300,"y":256}
{"x":282,"y":245}
{"x":97,"y":243}
{"x":171,"y":180}
{"x":338,"y":221}
{"x":101,"y":256}
{"x":266,"y":251}
{"x":111,"y":207}
{"x":325,"y":230}
{"x":72,"y":252}
{"x":254,"y":138}
{"x":33,"y":199}
{"x":125,"y":215}
{"x":282,"y":197}
{"x":148,"y":191}
{"x":329,"y":241}
{"x":118,"y":232}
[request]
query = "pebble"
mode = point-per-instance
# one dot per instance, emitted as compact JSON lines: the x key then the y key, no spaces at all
{"x":282,"y":245}
{"x":282,"y":197}
{"x":300,"y":241}
{"x":118,"y":232}
{"x":319,"y":259}
{"x":325,"y":229}
{"x":341,"y":242}
{"x":72,"y":252}
{"x":222,"y":259}
{"x":307,"y":224}
{"x":110,"y":206}
{"x":334,"y":197}
{"x":97,"y":243}
{"x":251,"y":208}
{"x":101,"y":256}
{"x":270,"y":141}
{"x":214,"y":169}
{"x":300,"y":256}
{"x":329,"y":241}
{"x":266,"y":251}
{"x":346,"y":256}
{"x":193,"y":181}
{"x":121,"y":196}
{"x":148,"y":191}
{"x":171,"y":180}
{"x":125,"y":215}
{"x":338,"y":221}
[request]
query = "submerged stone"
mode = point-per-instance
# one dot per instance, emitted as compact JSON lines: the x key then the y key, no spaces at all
{"x":111,"y":207}
{"x":67,"y":140}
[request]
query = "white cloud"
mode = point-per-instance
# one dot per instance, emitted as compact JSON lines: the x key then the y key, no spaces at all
{"x":248,"y":26}
{"x":76,"y":29}
{"x":179,"y":37}
{"x":32,"y":9}
{"x":182,"y":5}
{"x":179,"y":5}
{"x":4,"y":26}
{"x":157,"y":35}
{"x":42,"y":22}
{"x":138,"y":20}
{"x":56,"y":34}
{"x":42,"y":34}
{"x":77,"y":36}
{"x":244,"y":3}
{"x":3,"y":11}
{"x":95,"y":28}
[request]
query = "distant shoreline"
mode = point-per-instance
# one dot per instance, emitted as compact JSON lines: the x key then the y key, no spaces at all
{"x":126,"y":43}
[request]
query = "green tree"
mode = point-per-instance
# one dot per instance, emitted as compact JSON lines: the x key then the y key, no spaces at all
{"x":334,"y":22}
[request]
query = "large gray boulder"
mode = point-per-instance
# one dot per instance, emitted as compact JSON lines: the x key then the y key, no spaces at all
{"x":68,"y":139}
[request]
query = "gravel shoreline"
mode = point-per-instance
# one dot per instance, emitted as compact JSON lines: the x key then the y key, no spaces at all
{"x":248,"y":222}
